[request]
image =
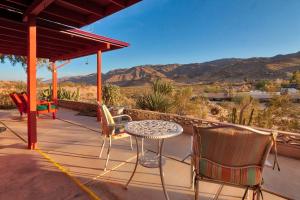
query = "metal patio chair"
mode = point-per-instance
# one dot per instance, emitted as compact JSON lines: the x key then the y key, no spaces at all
{"x":233,"y":155}
{"x":112,"y":128}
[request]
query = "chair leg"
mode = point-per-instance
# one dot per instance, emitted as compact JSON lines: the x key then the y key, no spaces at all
{"x":246,"y":193}
{"x":108,"y":153}
{"x":102,"y":147}
{"x":196,"y":189}
{"x":192,"y":176}
{"x":131,"y":143}
{"x":53,"y":115}
{"x":142,"y":146}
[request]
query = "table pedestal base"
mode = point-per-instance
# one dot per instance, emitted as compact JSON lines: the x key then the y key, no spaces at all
{"x":151,"y":161}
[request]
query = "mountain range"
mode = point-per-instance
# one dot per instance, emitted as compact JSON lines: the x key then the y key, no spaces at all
{"x":222,"y":70}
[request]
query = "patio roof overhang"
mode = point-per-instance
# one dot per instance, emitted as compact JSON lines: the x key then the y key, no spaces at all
{"x":54,"y":41}
{"x":48,"y":29}
{"x":76,"y":13}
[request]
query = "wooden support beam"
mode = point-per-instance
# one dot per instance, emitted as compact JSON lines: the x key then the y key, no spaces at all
{"x":31,"y":83}
{"x":36,"y":8}
{"x":99,"y":82}
{"x":54,"y":83}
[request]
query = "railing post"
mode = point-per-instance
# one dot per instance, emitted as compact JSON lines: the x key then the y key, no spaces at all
{"x":99,"y":82}
{"x":31,"y":83}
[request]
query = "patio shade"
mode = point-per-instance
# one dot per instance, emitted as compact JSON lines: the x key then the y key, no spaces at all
{"x":54,"y":41}
{"x":76,"y":13}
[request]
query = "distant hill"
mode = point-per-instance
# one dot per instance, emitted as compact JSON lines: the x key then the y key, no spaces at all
{"x":228,"y":70}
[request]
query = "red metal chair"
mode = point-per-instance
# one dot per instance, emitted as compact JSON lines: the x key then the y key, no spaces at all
{"x":43,"y":107}
{"x":20,"y":105}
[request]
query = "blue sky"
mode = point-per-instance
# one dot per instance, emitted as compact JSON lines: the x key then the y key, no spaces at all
{"x":187,"y":31}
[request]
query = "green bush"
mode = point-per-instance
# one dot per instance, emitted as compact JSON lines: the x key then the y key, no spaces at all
{"x":111,"y":95}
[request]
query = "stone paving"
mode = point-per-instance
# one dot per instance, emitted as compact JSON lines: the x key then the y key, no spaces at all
{"x":74,"y":142}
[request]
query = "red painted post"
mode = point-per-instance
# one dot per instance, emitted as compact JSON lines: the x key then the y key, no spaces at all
{"x":99,"y":82}
{"x":54,"y":83}
{"x":31,"y":83}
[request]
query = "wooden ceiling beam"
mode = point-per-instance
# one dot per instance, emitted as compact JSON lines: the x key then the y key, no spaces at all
{"x":120,"y":3}
{"x":36,"y":8}
{"x":51,"y":43}
{"x":83,"y":6}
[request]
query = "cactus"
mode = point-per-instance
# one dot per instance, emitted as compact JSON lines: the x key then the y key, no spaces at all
{"x":250,"y":117}
{"x":233,"y":119}
{"x":62,"y":93}
{"x":242,"y":119}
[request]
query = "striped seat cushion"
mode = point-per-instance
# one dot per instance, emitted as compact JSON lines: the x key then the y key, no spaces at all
{"x":247,"y":176}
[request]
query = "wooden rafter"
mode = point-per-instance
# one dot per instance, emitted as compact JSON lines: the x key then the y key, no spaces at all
{"x":36,"y":8}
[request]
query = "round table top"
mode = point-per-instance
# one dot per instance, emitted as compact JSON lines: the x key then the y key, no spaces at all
{"x":153,"y":129}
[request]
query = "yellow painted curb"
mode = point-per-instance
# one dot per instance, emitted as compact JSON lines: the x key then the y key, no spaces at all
{"x":91,"y":194}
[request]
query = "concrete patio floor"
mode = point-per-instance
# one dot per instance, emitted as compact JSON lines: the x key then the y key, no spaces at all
{"x":74,"y":141}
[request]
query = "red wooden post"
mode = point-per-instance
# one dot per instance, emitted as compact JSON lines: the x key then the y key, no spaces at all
{"x":31,"y":83}
{"x":54,"y":83}
{"x":99,"y":84}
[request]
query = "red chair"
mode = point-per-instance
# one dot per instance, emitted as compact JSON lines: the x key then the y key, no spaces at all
{"x":43,"y":107}
{"x":20,"y":105}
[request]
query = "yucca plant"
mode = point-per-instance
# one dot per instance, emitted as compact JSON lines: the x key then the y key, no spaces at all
{"x":154,"y":102}
{"x":159,"y":99}
{"x":162,"y":87}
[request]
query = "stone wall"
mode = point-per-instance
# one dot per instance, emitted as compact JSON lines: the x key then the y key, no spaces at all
{"x":288,"y":143}
{"x":82,"y":107}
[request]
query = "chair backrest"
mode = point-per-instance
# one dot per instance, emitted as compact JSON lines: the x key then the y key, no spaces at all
{"x":24,"y":98}
{"x":18,"y":102}
{"x":107,"y":121}
{"x":233,"y":146}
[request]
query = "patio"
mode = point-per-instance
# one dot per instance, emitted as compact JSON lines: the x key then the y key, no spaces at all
{"x":72,"y":143}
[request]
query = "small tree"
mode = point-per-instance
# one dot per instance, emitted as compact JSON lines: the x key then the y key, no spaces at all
{"x":23,"y":61}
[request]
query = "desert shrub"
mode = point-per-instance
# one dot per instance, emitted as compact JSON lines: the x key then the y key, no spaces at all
{"x":260,"y":85}
{"x":214,"y":88}
{"x":201,"y":108}
{"x":62,"y":93}
{"x":159,"y":99}
{"x":183,"y":104}
{"x":65,"y":94}
{"x":269,"y":86}
{"x":111,"y":95}
{"x":20,"y":86}
{"x":276,"y":113}
{"x":5,"y":100}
